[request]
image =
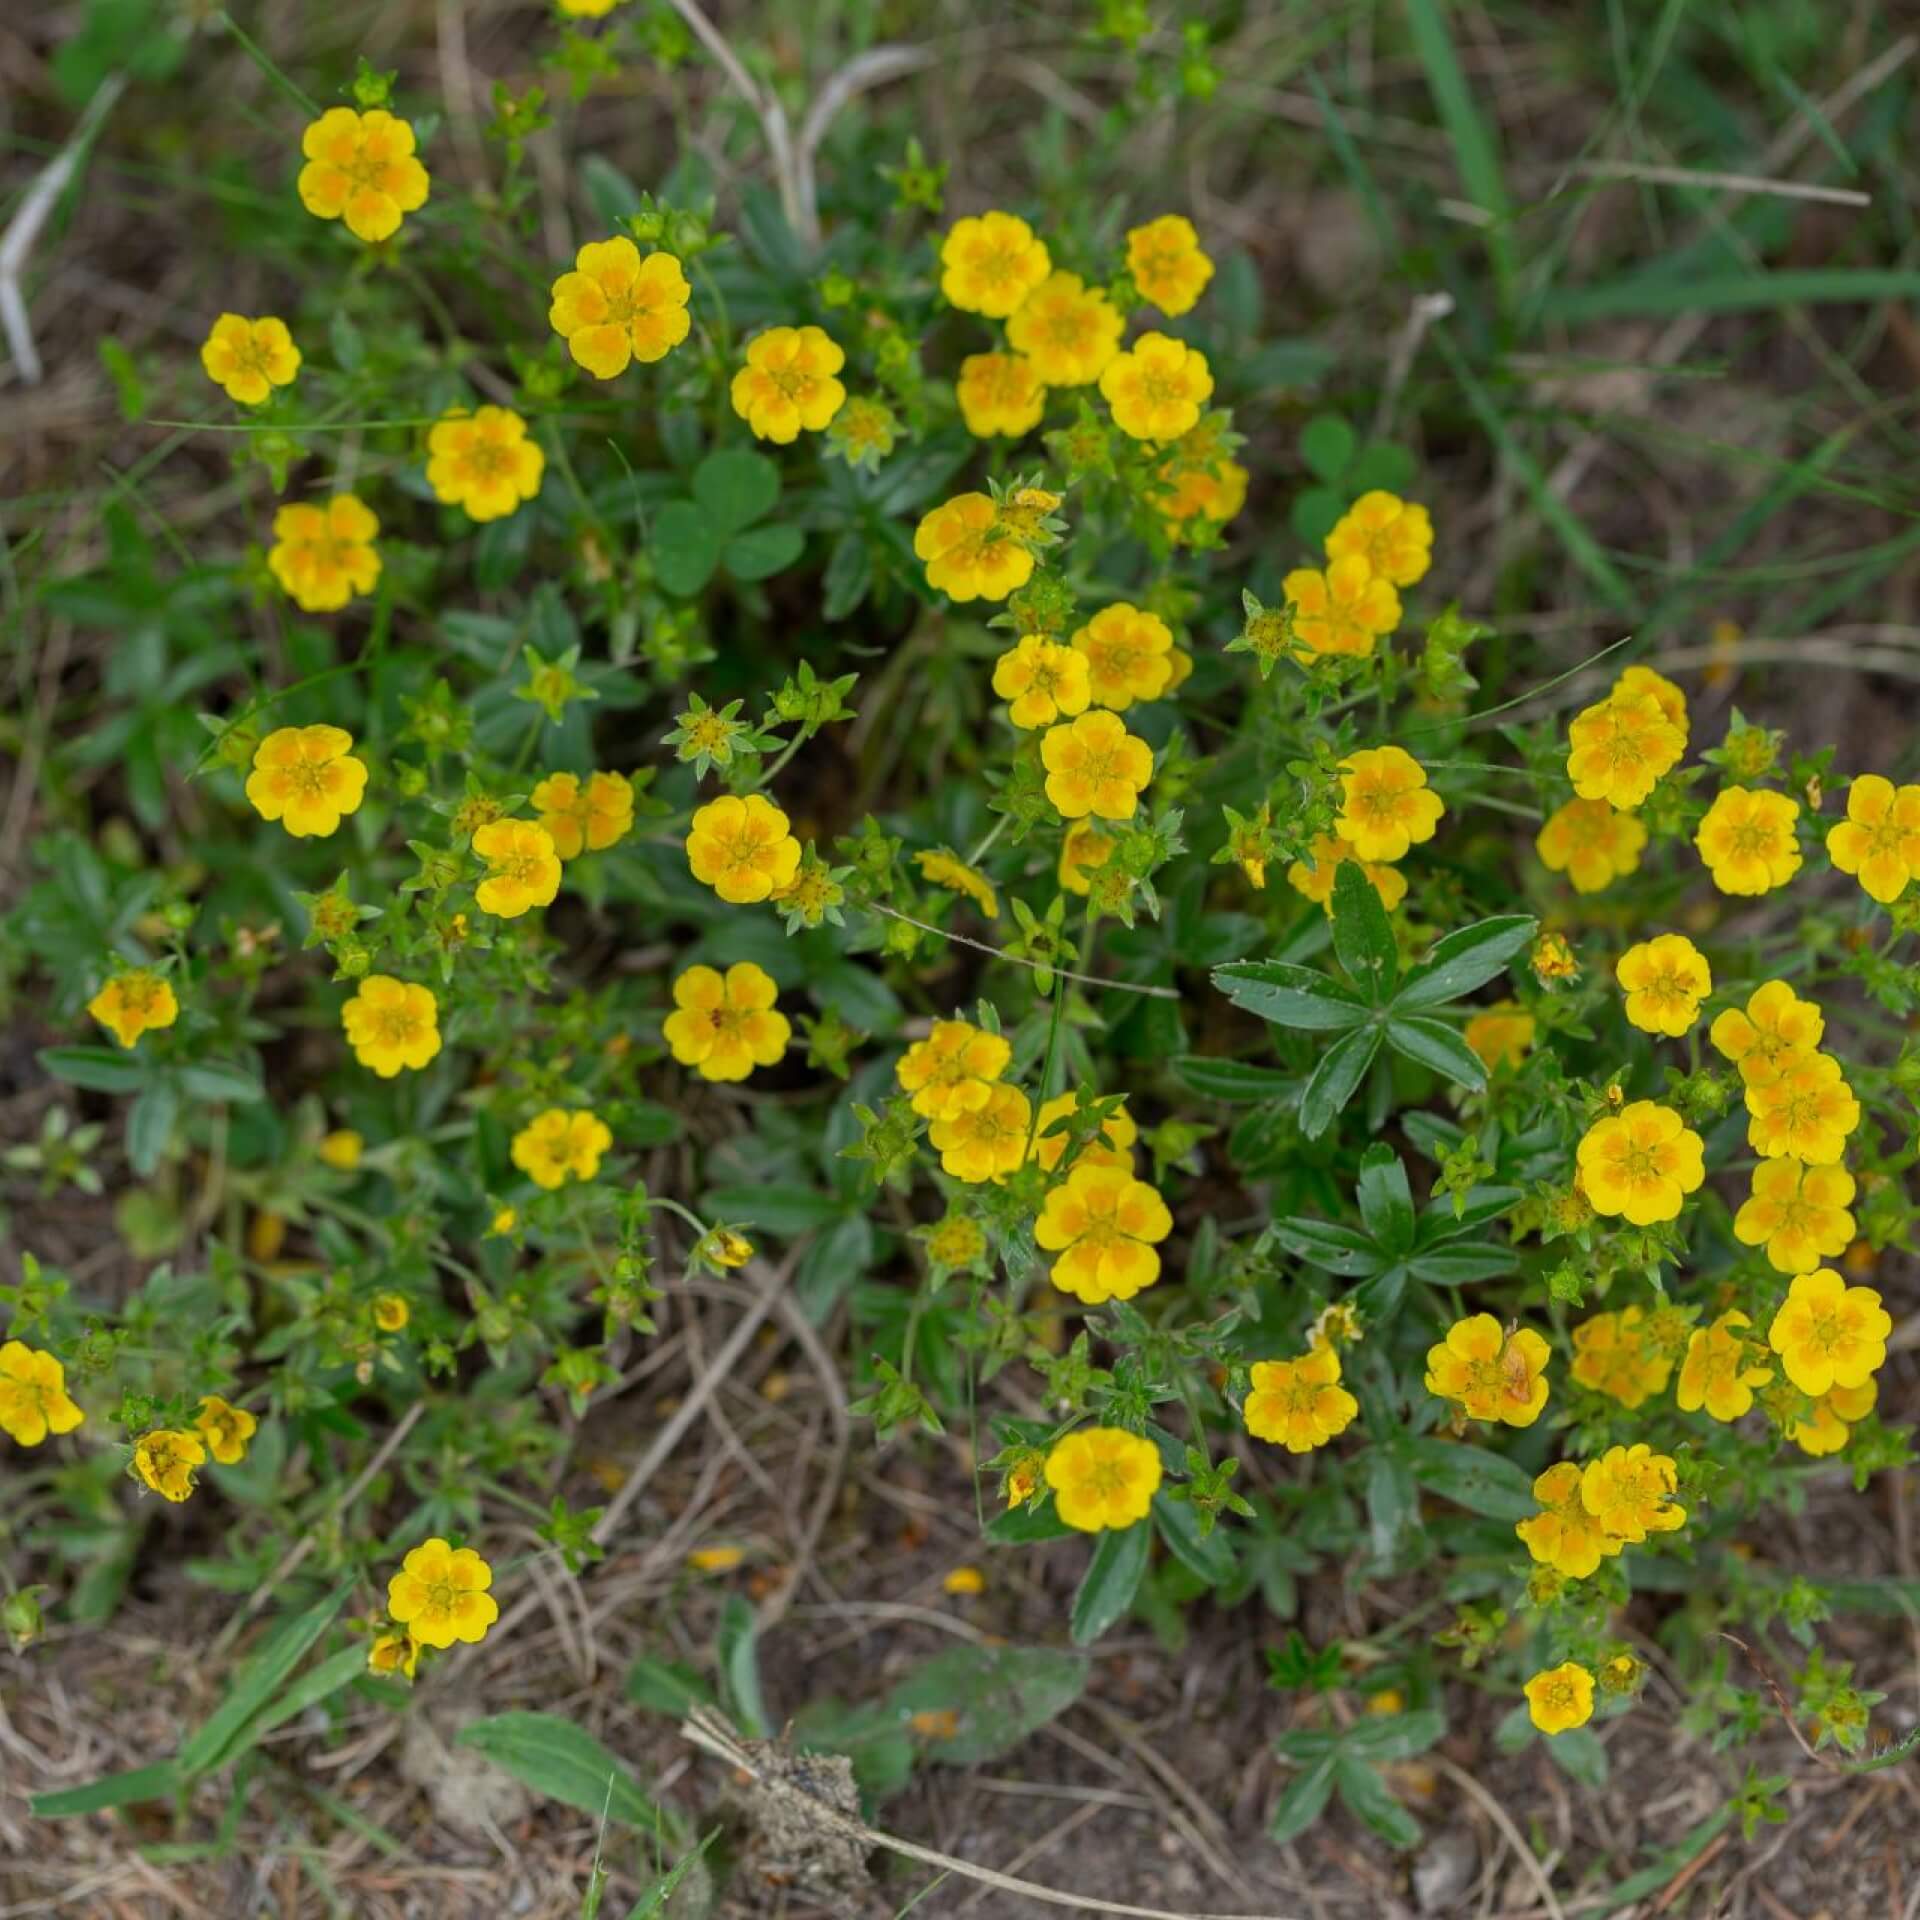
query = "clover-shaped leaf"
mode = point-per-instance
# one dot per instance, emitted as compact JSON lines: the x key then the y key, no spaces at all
{"x":733,"y":492}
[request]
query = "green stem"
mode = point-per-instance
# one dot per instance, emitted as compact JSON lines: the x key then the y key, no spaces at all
{"x":259,"y":58}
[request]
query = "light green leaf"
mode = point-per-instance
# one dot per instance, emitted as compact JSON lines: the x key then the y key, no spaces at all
{"x":1112,"y":1578}
{"x":566,"y":1763}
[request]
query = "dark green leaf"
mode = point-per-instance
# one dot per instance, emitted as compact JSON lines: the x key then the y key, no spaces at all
{"x":1209,"y":1556}
{"x":1342,"y":1067}
{"x":1465,"y":959}
{"x":1579,"y":1754}
{"x":1458,"y":1266}
{"x":1327,"y":446}
{"x":1392,"y":1503}
{"x":1362,"y":933}
{"x":220,"y":1080}
{"x":1330,"y":1247}
{"x":1394,"y":1736}
{"x":610,"y":194}
{"x":1386,"y":1201}
{"x":1236,"y":1081}
{"x":736,"y":487}
{"x":738,"y":1644}
{"x":776,"y":1208}
{"x":1432,"y":1043}
{"x":566,"y":1763}
{"x":999,"y":1695}
{"x":1290,"y":996}
{"x":849,"y":575}
{"x":112,"y":1790}
{"x":761,"y":552}
{"x":150,"y":1123}
{"x":1026,"y":1526}
{"x":1370,"y":1801}
{"x":1482,"y":1482}
{"x":666,"y":1686}
{"x":1111,"y":1580}
{"x":1483,"y":1204}
{"x":1304,"y":1801}
{"x":686,"y":547}
{"x":98,"y":1069}
{"x":259,"y":1681}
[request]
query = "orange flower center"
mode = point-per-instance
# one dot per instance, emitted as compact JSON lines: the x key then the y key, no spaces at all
{"x":1752,"y":839}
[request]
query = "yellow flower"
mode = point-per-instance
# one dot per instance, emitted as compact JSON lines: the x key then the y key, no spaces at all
{"x":1386,"y":805}
{"x":34,"y":1401}
{"x":1094,"y":765}
{"x":485,"y":462}
{"x":341,"y":1149}
{"x":1560,"y":1698}
{"x":1502,"y":1035}
{"x":1129,"y":655}
{"x":1629,"y":1490}
{"x":1824,"y":1429}
{"x":1798,"y":1213}
{"x":584,"y":819}
{"x":615,"y":307}
{"x":361,"y":169}
{"x":391,"y":1024}
{"x":951,"y":1071}
{"x":716,"y":1559}
{"x":504,"y":1220}
{"x":1042,"y":680}
{"x":1314,"y":878}
{"x":225,"y":1428}
{"x":1829,"y":1334}
{"x":1158,"y":388}
{"x":964,"y":1581}
{"x":1343,"y":610}
{"x":1083,"y":849}
{"x":1166,"y":263}
{"x":987,"y":1141}
{"x":1103,"y":1477}
{"x":1336,"y":1325}
{"x":391,"y":1653}
{"x":1113,"y":1147}
{"x":1493,"y":1374}
{"x":944,"y":868}
{"x":788,"y":383}
{"x":1613,"y":1354}
{"x":1617,"y":749}
{"x":999,"y":393}
{"x":1640,"y":1162}
{"x":1720,"y":1370}
{"x":523,"y":870}
{"x":307,"y":778}
{"x":559,"y":1145}
{"x":725,"y":1248}
{"x":1879,"y":840}
{"x":1776,"y":1029}
{"x":1299,"y":1404}
{"x":1104,"y":1224}
{"x":990,"y":263}
{"x":1804,"y":1111}
{"x":1747,"y":840}
{"x":166,"y":1459}
{"x":249,"y":358}
{"x":440,"y":1595}
{"x":956,"y":1242}
{"x":725,"y":1025}
{"x":1592,"y":843}
{"x":1193,"y":495}
{"x":1552,"y":959}
{"x":587,"y":9}
{"x":1393,"y":536}
{"x":742,"y":848}
{"x":322,"y":556}
{"x":134,"y":1002}
{"x":1067,"y":330}
{"x":1563,"y":1535}
{"x":1643,"y":683}
{"x":1664,"y":979}
{"x":970,"y":552}
{"x":390,"y":1312}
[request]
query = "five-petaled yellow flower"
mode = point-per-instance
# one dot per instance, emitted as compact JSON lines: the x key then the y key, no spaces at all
{"x":615,"y":308}
{"x":1641,"y":1162}
{"x":1721,"y":1369}
{"x":1342,"y":610}
{"x":1066,"y":330}
{"x":322,"y":556}
{"x":724,"y":1025}
{"x":1630,"y":1490}
{"x":485,"y":461}
{"x":523,"y":870}
{"x":951,"y":1071}
{"x":1776,"y":1028}
{"x":1613,"y":1354}
{"x":1094,"y":765}
{"x":1563,"y":1535}
{"x":166,"y":1460}
{"x":987,"y":1141}
{"x":1493,"y":1374}
{"x":1592,"y":842}
{"x":1166,"y":263}
{"x":1158,"y":388}
{"x":1314,"y":877}
{"x":1747,"y":840}
{"x":788,"y":384}
{"x":440,"y":1595}
{"x":225,"y":1428}
{"x":34,"y":1401}
{"x":135,"y":1002}
{"x":391,"y":1024}
{"x":990,"y":263}
{"x":1618,"y":749}
{"x":249,"y":358}
{"x":1386,"y":805}
{"x":1824,"y":1430}
{"x":1393,"y":536}
{"x":1798,"y":1213}
{"x":999,"y":393}
{"x":1104,"y":1224}
{"x":1879,"y":840}
{"x":971,"y":552}
{"x":1829,"y":1334}
{"x":361,"y":169}
{"x":742,"y":848}
{"x":1561,"y":1698}
{"x":1664,"y":979}
{"x":1501,"y":1035}
{"x":1299,"y":1404}
{"x":584,"y":817}
{"x":1200,"y":488}
{"x":1802,"y":1111}
{"x":1042,"y":681}
{"x":307,"y":778}
{"x":557,"y":1146}
{"x":1129,"y":655}
{"x":1103,"y":1477}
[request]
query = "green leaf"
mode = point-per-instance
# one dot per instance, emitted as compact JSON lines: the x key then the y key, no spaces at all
{"x":1026,"y":1526}
{"x":150,"y":1123}
{"x":736,"y":487}
{"x":1315,"y":513}
{"x":763,"y":551}
{"x":1394,"y":1736}
{"x":686,"y":547}
{"x":610,"y":194}
{"x":1327,"y":446}
{"x":1386,"y":1201}
{"x":566,"y":1763}
{"x":1580,"y":1755}
{"x":349,"y":344}
{"x":1759,"y":292}
{"x":999,"y":1695}
{"x":1111,"y":1580}
{"x":1432,"y":1043}
{"x":98,"y":1069}
{"x":221,"y":1080}
{"x":777,"y":1207}
{"x":848,"y":577}
{"x":1475,"y":149}
{"x":1342,"y":1067}
{"x":1234,"y":1081}
{"x":259,"y":1681}
{"x":1362,"y":933}
{"x":1392,"y":1506}
{"x":1466,"y":958}
{"x":1368,"y":1798}
{"x":1210,"y":1557}
{"x":738,"y":1644}
{"x":1290,"y":996}
{"x":111,"y":1790}
{"x":652,"y":1905}
{"x":666,"y":1686}
{"x":1304,"y":1801}
{"x":1482,"y":1482}
{"x":1458,"y":1266}
{"x":319,"y":1683}
{"x":1330,"y":1247}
